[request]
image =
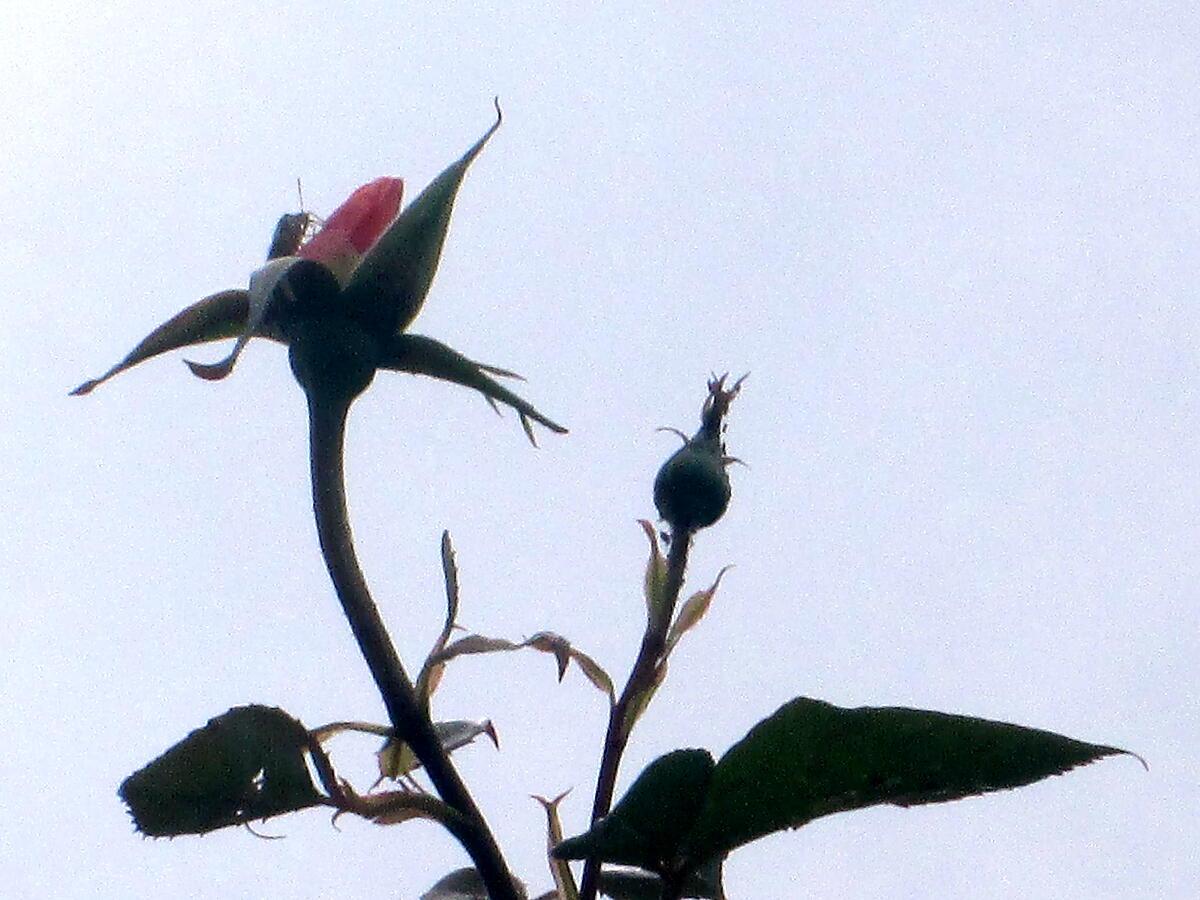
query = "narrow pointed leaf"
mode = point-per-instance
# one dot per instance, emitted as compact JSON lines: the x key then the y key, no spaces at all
{"x":325,"y":732}
{"x":641,"y":702}
{"x":692,"y":612}
{"x":421,"y":355}
{"x":395,"y":275}
{"x":564,"y":654}
{"x":248,"y":763}
{"x":812,"y":758}
{"x":594,"y":673}
{"x":560,"y":871}
{"x":221,"y":315}
{"x":459,"y":732}
{"x":396,"y":759}
{"x":646,"y":828}
{"x":554,"y":644}
{"x":544,"y":641}
{"x":656,"y":569}
{"x":475,"y":643}
{"x":431,"y":670}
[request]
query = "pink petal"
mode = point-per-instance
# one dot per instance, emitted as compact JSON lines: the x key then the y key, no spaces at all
{"x":356,"y":224}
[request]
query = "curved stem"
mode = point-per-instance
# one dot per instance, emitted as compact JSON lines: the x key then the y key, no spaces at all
{"x":641,"y":678}
{"x":409,"y":717}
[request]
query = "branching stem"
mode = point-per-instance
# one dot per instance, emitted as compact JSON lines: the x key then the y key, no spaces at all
{"x":641,"y":679}
{"x":410,"y":718}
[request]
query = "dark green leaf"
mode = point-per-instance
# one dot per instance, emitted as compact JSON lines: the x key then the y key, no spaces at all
{"x":645,"y":829}
{"x":248,"y":763}
{"x":461,"y":884}
{"x":629,"y":884}
{"x":811,"y":759}
{"x":464,"y":884}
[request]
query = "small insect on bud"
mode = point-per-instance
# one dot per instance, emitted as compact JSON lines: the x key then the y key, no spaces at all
{"x":290,"y":232}
{"x":692,"y":489}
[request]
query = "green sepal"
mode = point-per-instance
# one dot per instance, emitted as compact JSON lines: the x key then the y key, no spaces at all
{"x":285,"y":288}
{"x":420,"y":355}
{"x":390,"y":284}
{"x":221,"y":315}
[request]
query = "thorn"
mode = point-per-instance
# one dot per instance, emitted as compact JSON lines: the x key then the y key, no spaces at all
{"x":260,"y":836}
{"x":525,"y":423}
{"x":503,"y":373}
{"x":675,"y":431}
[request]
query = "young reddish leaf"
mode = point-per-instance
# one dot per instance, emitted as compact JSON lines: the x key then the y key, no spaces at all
{"x":564,"y":653}
{"x":544,"y":641}
{"x":564,"y":880}
{"x":642,"y":701}
{"x":693,"y":611}
{"x":556,"y":645}
{"x":396,"y":759}
{"x":395,"y":807}
{"x":433,"y":668}
{"x":475,"y":643}
{"x":325,"y":732}
{"x":812,"y":758}
{"x":595,"y":673}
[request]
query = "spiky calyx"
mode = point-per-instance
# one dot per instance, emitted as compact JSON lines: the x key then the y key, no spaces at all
{"x":692,"y":489}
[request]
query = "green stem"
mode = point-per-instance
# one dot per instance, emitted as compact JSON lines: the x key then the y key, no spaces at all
{"x":409,"y":717}
{"x":654,"y":642}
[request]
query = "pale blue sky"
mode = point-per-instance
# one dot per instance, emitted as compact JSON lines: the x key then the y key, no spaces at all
{"x":955,"y":247}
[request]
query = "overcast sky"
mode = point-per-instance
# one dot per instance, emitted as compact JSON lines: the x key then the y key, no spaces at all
{"x":954,"y":244}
